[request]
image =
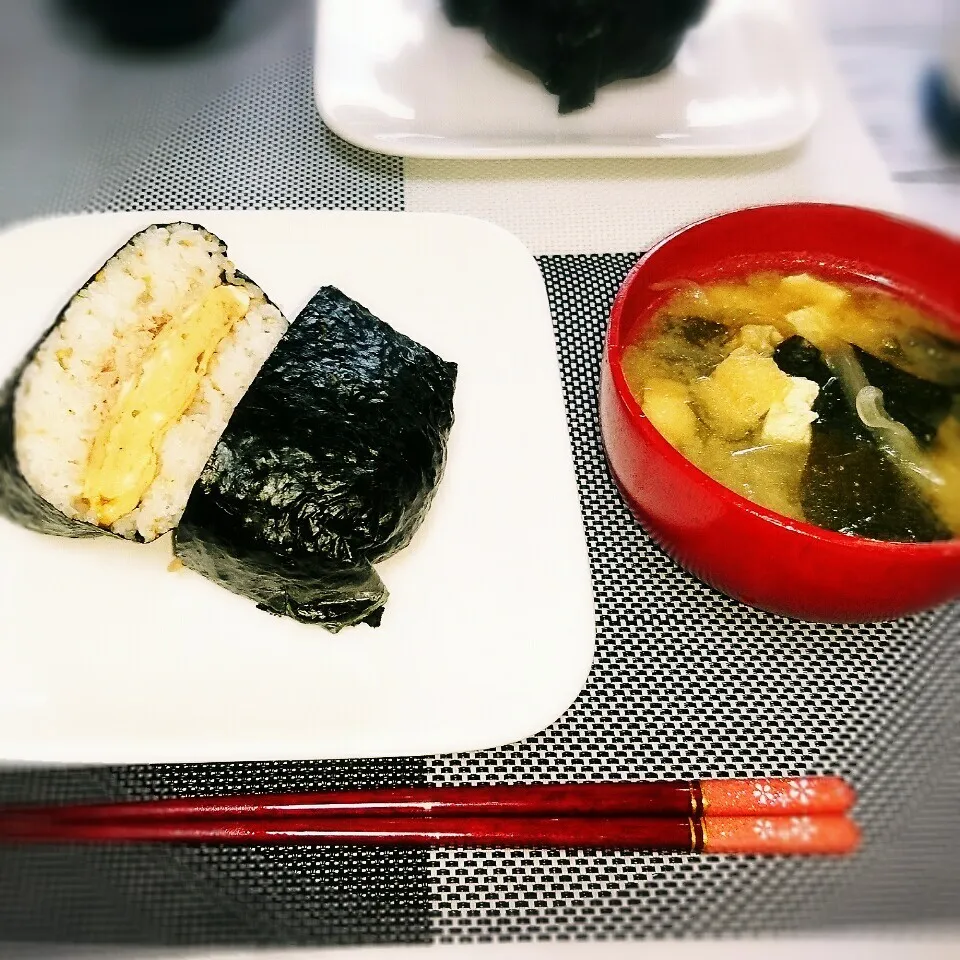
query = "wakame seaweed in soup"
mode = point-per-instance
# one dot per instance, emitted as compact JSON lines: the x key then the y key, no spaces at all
{"x":832,"y":404}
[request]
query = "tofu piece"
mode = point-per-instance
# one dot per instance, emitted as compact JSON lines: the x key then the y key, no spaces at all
{"x":723,"y":301}
{"x":813,"y":324}
{"x":735,"y":398}
{"x":817,"y":293}
{"x":759,"y":337}
{"x":667,"y":405}
{"x":788,"y":420}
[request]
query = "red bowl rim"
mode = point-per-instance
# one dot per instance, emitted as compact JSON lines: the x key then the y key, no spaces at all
{"x":613,"y":351}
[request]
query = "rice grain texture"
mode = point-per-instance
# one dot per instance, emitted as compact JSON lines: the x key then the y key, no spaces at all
{"x":95,"y":352}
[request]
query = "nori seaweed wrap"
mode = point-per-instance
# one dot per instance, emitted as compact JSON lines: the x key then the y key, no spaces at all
{"x":576,"y":46}
{"x":328,"y":464}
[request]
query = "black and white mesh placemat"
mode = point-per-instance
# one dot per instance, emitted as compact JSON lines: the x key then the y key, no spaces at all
{"x":260,"y":145}
{"x":231,"y":125}
{"x":208,"y":894}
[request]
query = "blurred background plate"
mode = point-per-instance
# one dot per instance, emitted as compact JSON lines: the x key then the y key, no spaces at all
{"x":394,"y":76}
{"x":488,"y":635}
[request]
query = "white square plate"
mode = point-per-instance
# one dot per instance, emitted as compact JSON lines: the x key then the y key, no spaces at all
{"x":394,"y":76}
{"x":488,"y":635}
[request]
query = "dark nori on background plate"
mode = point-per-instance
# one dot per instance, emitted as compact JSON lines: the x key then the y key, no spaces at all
{"x":328,"y":464}
{"x":576,"y":46}
{"x":466,"y":13}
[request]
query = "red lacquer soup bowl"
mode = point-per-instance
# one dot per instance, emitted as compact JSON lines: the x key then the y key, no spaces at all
{"x":759,"y":557}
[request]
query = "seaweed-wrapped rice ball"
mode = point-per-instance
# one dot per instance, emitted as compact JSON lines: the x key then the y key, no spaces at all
{"x":328,"y":465}
{"x":109,"y":421}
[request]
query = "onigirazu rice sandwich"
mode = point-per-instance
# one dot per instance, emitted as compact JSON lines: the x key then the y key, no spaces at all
{"x":108,"y":423}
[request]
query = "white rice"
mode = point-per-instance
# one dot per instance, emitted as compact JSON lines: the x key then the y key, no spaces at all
{"x":72,"y":383}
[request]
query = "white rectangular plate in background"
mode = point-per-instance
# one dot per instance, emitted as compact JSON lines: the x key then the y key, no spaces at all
{"x":488,"y":635}
{"x":396,"y":77}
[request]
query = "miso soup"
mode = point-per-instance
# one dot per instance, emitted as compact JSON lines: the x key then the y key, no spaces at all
{"x":832,"y":404}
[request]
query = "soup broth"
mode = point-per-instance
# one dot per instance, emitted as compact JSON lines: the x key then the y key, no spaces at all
{"x":832,"y":404}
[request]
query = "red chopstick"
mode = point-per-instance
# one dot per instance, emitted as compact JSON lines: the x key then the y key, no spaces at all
{"x":805,"y":835}
{"x":721,"y":797}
